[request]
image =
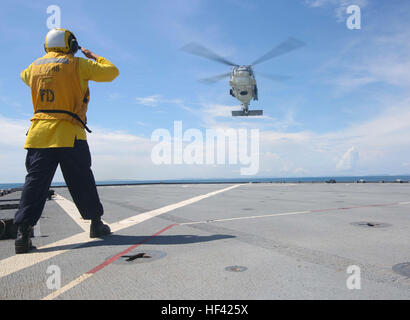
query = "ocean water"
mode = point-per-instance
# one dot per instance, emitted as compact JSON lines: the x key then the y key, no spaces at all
{"x":402,"y":178}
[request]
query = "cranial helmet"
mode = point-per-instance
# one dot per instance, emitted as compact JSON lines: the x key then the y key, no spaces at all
{"x":61,"y":40}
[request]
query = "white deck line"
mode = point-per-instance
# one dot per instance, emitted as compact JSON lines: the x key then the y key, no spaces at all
{"x":281,"y":214}
{"x":70,"y":208}
{"x":68,"y":286}
{"x":18,"y":262}
{"x":243,"y":218}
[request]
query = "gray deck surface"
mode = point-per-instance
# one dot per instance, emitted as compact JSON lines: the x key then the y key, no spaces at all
{"x":302,"y":255}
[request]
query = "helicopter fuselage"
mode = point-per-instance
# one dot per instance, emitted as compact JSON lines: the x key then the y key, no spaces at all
{"x":243,"y":85}
{"x":243,"y":81}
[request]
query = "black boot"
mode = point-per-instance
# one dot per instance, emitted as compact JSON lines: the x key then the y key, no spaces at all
{"x":98,"y":229}
{"x":23,"y":242}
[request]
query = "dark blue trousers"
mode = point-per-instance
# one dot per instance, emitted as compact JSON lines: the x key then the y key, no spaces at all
{"x":75,"y":164}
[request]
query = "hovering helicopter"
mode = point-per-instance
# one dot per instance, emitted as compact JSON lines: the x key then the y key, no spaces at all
{"x":243,"y":80}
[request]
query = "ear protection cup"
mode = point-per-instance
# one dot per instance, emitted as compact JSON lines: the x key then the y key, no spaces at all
{"x":72,"y":41}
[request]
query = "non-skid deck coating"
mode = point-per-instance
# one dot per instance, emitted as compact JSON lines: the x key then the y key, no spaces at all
{"x":295,"y":241}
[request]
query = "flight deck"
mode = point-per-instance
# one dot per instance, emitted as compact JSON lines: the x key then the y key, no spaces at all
{"x":220,"y":241}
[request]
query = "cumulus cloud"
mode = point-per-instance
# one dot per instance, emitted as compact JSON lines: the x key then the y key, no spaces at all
{"x":382,"y":140}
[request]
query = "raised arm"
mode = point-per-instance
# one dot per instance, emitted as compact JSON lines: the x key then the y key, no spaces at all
{"x":102,"y":70}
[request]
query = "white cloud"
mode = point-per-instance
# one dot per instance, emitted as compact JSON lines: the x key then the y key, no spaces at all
{"x":382,"y":141}
{"x":214,"y":116}
{"x":12,"y":155}
{"x":142,"y":124}
{"x":301,"y":171}
{"x":15,"y":105}
{"x":157,"y":99}
{"x":339,"y":5}
{"x":391,"y":68}
{"x":151,"y":101}
{"x":12,"y":131}
{"x":272,"y":156}
{"x":381,"y":58}
{"x":347,"y":83}
{"x":217,"y":110}
{"x":348,"y":160}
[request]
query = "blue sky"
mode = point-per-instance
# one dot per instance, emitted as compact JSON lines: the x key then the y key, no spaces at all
{"x":345,"y":111}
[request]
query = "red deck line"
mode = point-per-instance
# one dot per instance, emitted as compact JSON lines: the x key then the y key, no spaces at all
{"x":119,"y":255}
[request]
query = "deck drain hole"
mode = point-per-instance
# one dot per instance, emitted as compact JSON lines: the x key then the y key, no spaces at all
{"x":402,"y":269}
{"x":138,"y":257}
{"x":370,"y":224}
{"x":236,"y":268}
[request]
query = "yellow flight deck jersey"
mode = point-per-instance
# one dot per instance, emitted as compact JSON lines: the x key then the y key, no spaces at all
{"x":49,"y":130}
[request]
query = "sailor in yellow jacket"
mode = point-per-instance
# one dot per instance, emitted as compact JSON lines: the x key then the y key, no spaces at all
{"x":60,"y":95}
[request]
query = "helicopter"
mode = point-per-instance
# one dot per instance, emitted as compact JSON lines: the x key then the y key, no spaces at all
{"x":242,"y":77}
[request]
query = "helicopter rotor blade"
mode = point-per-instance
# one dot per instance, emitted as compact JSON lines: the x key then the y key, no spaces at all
{"x":215,"y":78}
{"x":286,"y":46}
{"x":198,"y":50}
{"x":274,"y":77}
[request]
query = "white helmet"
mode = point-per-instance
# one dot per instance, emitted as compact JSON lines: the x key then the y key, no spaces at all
{"x":61,"y":40}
